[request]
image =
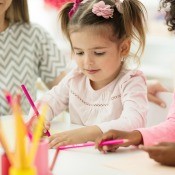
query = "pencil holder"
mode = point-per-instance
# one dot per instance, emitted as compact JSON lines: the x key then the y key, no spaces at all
{"x":42,"y":159}
{"x":41,"y":162}
{"x":5,"y":164}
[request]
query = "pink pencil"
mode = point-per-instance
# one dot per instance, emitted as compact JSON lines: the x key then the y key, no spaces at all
{"x":32,"y":105}
{"x":109,"y":142}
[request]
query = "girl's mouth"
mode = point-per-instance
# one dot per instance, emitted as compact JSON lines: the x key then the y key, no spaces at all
{"x":92,"y":71}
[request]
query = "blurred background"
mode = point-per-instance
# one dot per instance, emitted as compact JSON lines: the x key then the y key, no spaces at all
{"x":158,"y":60}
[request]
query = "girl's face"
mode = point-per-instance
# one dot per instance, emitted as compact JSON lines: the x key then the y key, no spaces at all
{"x":4,"y":5}
{"x":97,"y":56}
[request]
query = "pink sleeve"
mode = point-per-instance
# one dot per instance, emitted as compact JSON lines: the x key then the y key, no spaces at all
{"x":165,"y":131}
{"x":133,"y":91}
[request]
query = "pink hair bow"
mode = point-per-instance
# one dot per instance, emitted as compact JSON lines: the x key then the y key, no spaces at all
{"x":74,"y":8}
{"x":101,"y":9}
{"x":118,"y":4}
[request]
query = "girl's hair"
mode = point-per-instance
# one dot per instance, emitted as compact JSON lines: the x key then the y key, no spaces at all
{"x":130,"y":23}
{"x":170,"y":14}
{"x":18,"y":11}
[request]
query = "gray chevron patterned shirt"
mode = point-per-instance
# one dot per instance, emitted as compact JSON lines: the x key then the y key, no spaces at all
{"x":26,"y":53}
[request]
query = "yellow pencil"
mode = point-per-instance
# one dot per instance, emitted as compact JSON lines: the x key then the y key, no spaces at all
{"x":37,"y":135}
{"x":5,"y":146}
{"x":20,"y":152}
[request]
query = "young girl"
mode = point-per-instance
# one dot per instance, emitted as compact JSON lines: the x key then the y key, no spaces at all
{"x":26,"y":52}
{"x":163,"y":132}
{"x":100,"y":93}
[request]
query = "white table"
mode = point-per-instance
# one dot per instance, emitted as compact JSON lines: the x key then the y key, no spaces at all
{"x":88,"y":161}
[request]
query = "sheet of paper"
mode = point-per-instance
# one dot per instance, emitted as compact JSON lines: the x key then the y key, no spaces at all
{"x":81,"y":161}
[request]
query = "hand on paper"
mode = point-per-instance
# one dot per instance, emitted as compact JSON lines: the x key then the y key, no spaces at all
{"x":163,"y":153}
{"x":81,"y":135}
{"x":134,"y":137}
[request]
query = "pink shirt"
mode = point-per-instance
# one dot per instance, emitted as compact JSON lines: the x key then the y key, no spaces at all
{"x":165,"y":131}
{"x":122,"y":104}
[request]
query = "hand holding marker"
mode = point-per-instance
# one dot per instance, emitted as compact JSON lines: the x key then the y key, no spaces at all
{"x":32,"y":105}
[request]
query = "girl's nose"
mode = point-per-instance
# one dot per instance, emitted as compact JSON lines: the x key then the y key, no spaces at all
{"x":88,"y":60}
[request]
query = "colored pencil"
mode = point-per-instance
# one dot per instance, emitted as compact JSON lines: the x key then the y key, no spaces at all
{"x":109,"y":142}
{"x":20,"y":152}
{"x":54,"y":159}
{"x":32,"y":105}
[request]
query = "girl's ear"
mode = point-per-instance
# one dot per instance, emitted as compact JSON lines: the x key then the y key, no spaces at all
{"x":125,"y":47}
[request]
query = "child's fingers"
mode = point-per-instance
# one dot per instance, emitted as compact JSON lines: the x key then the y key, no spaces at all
{"x":156,"y":100}
{"x":57,"y":142}
{"x":152,"y":150}
{"x":57,"y":145}
{"x":110,"y":148}
{"x":107,"y":136}
{"x":97,"y":143}
{"x":55,"y":139}
{"x":47,"y":125}
{"x":32,"y":124}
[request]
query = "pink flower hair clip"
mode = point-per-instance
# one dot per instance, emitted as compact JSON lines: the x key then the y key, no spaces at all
{"x":118,"y":4}
{"x":101,"y":9}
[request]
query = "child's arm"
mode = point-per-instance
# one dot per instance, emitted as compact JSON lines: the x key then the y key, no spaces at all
{"x":85,"y":134}
{"x":57,"y":101}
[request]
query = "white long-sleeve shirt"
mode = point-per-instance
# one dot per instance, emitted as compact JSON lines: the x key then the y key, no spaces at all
{"x":121,"y":105}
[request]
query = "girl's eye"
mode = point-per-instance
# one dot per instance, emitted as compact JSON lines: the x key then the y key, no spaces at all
{"x":99,"y":53}
{"x":79,"y":53}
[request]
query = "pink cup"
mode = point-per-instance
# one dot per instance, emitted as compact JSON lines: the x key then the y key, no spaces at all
{"x":41,"y":160}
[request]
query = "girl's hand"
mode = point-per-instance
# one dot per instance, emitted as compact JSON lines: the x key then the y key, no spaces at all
{"x":154,"y":87}
{"x":82,"y":135}
{"x":31,"y":124}
{"x":163,"y":153}
{"x":134,"y":137}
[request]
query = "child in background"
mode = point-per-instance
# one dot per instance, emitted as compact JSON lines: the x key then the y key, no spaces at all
{"x":101,"y":93}
{"x":162,"y":134}
{"x":26,"y":52}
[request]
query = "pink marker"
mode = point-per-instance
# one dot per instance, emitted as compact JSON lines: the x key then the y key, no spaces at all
{"x":32,"y":105}
{"x":109,"y":142}
{"x":8,"y":97}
